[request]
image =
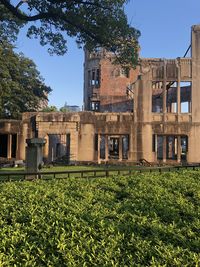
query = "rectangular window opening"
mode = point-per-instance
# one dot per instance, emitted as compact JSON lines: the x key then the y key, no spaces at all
{"x":95,"y":106}
{"x":171,"y":97}
{"x":186,"y":96}
{"x":97,"y":82}
{"x":157,"y":97}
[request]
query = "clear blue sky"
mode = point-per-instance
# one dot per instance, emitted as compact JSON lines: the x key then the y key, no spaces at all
{"x":165,"y":32}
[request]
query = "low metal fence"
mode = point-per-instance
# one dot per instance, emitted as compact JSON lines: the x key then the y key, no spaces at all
{"x":96,"y":173}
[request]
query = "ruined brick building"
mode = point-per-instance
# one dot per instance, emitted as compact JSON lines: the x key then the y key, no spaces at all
{"x":150,"y":113}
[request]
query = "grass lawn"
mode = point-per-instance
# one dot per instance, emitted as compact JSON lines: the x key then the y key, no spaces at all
{"x":143,"y":220}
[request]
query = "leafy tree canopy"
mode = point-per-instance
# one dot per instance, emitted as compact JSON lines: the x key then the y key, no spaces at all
{"x":93,"y":23}
{"x":21,"y":86}
{"x":50,"y":109}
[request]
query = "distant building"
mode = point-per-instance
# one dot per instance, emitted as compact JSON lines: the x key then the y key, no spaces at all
{"x":73,"y":108}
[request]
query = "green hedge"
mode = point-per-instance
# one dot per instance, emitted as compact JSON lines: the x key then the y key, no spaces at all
{"x":144,"y":220}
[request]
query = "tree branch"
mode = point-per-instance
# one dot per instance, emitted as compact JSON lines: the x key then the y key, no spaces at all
{"x":47,"y":16}
{"x":20,"y":3}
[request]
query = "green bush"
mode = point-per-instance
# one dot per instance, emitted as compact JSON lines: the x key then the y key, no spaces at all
{"x":143,"y":220}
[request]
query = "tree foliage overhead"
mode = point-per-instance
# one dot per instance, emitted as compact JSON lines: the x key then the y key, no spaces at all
{"x":21,"y":86}
{"x":92,"y":22}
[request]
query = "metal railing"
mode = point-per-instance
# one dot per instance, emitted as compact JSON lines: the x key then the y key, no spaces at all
{"x":96,"y":173}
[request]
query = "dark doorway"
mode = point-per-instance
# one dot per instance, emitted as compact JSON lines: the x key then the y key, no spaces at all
{"x":172,"y":147}
{"x":102,"y":147}
{"x":3,"y":145}
{"x":14,"y":146}
{"x":184,"y":147}
{"x":58,"y":150}
{"x":114,"y":148}
{"x":125,"y":146}
{"x":159,"y":147}
{"x":68,"y":147}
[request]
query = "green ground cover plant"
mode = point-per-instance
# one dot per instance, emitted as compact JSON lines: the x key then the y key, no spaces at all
{"x":147,"y":219}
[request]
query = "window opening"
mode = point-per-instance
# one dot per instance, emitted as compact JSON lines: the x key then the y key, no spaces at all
{"x":171,"y":97}
{"x":157,"y":97}
{"x":97,"y":78}
{"x":93,"y":77}
{"x":95,"y":105}
{"x":186,"y":89}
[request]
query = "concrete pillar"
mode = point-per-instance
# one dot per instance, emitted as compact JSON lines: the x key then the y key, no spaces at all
{"x":46,"y":147}
{"x":195,"y":72}
{"x":9,"y":146}
{"x":164,"y":87}
{"x":22,"y":141}
{"x":164,"y":148}
{"x":179,"y":148}
{"x":179,"y":92}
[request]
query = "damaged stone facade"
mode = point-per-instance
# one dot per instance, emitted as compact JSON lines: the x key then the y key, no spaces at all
{"x":107,"y":87}
{"x":156,"y":119}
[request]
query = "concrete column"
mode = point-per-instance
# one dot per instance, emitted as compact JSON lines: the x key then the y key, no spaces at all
{"x":190,"y":106}
{"x":120,"y":148}
{"x":46,"y":147}
{"x":164,"y":87}
{"x":9,"y":146}
{"x":98,"y":152}
{"x":106,"y":147}
{"x":195,"y":73}
{"x":22,"y":142}
{"x":179,"y":91}
{"x":178,"y":149}
{"x":164,"y":148}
